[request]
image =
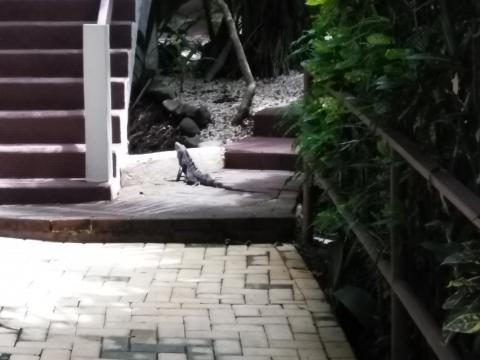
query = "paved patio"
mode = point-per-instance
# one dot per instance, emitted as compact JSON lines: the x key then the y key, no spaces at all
{"x":165,"y":302}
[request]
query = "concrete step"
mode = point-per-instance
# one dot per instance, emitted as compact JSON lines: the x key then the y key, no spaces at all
{"x":54,"y":63}
{"x":47,"y":127}
{"x":50,"y":94}
{"x":25,"y":161}
{"x":62,"y":10}
{"x":50,"y":191}
{"x":21,"y":35}
{"x":261,"y":153}
{"x":272,"y":122}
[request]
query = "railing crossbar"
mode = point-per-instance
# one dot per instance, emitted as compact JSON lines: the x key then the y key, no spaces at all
{"x":402,"y":290}
{"x":462,"y":198}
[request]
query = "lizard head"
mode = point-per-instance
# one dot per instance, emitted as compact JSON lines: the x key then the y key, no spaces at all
{"x":180,"y":147}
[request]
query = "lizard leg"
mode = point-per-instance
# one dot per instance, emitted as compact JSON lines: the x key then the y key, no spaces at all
{"x":179,"y":174}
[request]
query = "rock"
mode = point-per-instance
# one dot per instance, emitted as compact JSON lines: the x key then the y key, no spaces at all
{"x":180,"y":108}
{"x":200,"y":115}
{"x":203,"y":117}
{"x":160,"y":92}
{"x":189,"y":127}
{"x":190,"y":142}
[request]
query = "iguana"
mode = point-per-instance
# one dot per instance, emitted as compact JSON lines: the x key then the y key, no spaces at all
{"x":193,"y":176}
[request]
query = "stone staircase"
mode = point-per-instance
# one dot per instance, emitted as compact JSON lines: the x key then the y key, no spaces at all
{"x":267,"y":149}
{"x":42,"y":137}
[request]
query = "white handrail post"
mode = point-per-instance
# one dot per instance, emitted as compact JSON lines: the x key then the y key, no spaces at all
{"x":97,"y":97}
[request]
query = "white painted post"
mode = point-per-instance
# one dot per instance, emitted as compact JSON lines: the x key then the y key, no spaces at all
{"x":97,"y":95}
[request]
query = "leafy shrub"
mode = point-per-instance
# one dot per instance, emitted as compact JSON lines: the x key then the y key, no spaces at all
{"x":409,"y":66}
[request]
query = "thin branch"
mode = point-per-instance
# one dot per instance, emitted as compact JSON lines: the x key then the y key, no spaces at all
{"x":244,"y":108}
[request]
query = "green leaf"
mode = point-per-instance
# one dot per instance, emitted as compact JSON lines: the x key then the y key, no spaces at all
{"x":453,"y":300}
{"x":397,"y":54}
{"x":316,"y":2}
{"x":379,"y":39}
{"x":462,"y":258}
{"x":465,"y":324}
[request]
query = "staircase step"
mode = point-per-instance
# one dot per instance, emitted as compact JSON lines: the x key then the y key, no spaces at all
{"x":47,"y":127}
{"x":62,"y":10}
{"x":271,"y":122}
{"x":49,"y":191}
{"x":54,"y":63}
{"x":261,"y":153}
{"x":42,"y":161}
{"x":51,"y":94}
{"x":20,"y":35}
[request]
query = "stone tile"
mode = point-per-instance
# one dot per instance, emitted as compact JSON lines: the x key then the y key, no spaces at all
{"x":257,"y":299}
{"x":227,"y":347}
{"x":24,"y":357}
{"x":253,"y":339}
{"x":33,"y":334}
{"x":302,"y":325}
{"x":197,"y":323}
{"x":209,"y":288}
{"x":212,"y":334}
{"x":338,"y":350}
{"x":143,"y":337}
{"x":278,"y":332}
{"x":115,"y":344}
{"x":269,"y":352}
{"x":171,"y":356}
{"x":332,"y":334}
{"x":240,"y":357}
{"x":169,"y":329}
{"x":262,"y":320}
{"x":129,"y":355}
{"x":8,"y":339}
{"x":312,"y":354}
{"x":246,"y":310}
{"x":222,"y":316}
{"x":87,"y":348}
{"x":53,"y":354}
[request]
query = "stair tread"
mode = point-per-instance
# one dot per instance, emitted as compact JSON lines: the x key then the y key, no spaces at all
{"x":39,"y":113}
{"x":52,"y":51}
{"x":45,"y":113}
{"x":56,"y":23}
{"x":35,"y":183}
{"x":53,"y":80}
{"x":41,"y":148}
{"x":257,"y":144}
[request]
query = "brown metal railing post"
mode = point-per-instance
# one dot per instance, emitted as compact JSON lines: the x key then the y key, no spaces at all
{"x":308,"y":210}
{"x":399,"y":334}
{"x":308,"y":205}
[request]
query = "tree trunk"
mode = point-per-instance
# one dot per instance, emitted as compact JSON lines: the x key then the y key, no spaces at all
{"x":244,"y":108}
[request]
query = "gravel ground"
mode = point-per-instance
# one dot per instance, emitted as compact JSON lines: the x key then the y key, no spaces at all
{"x":222,"y":98}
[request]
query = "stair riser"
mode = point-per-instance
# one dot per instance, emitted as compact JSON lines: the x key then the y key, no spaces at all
{"x":260,"y":161}
{"x":42,"y":165}
{"x":49,"y":130}
{"x":61,"y":10}
{"x":53,"y":195}
{"x":51,"y":36}
{"x":270,"y":125}
{"x":51,"y":96}
{"x":55,"y":65}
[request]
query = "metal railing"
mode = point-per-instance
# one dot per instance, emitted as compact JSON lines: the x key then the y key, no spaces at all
{"x":403,"y":296}
{"x":97,"y":96}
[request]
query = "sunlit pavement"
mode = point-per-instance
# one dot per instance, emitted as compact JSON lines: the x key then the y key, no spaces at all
{"x":162,"y":301}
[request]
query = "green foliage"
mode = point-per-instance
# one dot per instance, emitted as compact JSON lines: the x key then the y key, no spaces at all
{"x":412,"y":66}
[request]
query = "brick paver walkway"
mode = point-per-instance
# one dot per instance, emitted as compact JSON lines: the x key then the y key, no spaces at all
{"x":165,"y":302}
